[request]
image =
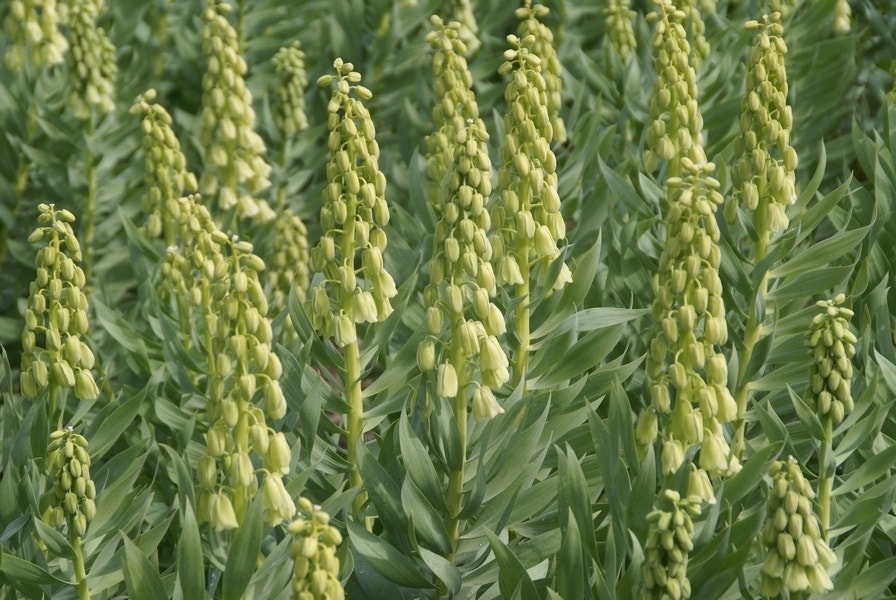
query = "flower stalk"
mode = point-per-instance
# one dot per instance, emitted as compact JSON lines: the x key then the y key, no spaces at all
{"x":353,"y":215}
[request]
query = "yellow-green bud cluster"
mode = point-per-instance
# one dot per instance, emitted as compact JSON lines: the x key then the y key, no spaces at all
{"x":676,"y":130}
{"x":455,"y":102}
{"x":34,"y":27}
{"x":696,"y":28}
{"x":167,"y":178}
{"x":461,"y":11}
{"x":842,"y":14}
{"x":73,"y":492}
{"x":832,"y":345}
{"x":289,"y":114}
{"x":798,"y":556}
{"x":764,"y":175}
{"x":352,"y":218}
{"x":288,"y":262}
{"x":527,"y":216}
{"x":543,"y":47}
{"x":53,"y":354}
{"x":619,"y":28}
{"x":669,"y":540}
{"x":91,"y":61}
{"x":462,"y":283}
{"x":687,"y":372}
{"x":235,"y":170}
{"x":316,"y":566}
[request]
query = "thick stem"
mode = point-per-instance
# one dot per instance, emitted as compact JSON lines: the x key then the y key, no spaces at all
{"x":825,"y":479}
{"x":753,"y":333}
{"x":456,"y":478}
{"x":354,"y":419}
{"x":78,"y":563}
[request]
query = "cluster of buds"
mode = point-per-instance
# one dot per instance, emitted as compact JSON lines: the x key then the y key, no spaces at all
{"x":842,"y":14}
{"x":289,"y":64}
{"x":34,"y":27}
{"x":352,"y":218}
{"x":618,"y":24}
{"x":669,"y":540}
{"x":527,"y":216}
{"x":543,"y":47}
{"x":288,"y":262}
{"x":454,"y":105}
{"x":688,"y":374}
{"x":235,"y":168}
{"x":166,"y":178}
{"x":764,"y":175}
{"x":316,"y":566}
{"x":53,"y":354}
{"x":74,"y":493}
{"x":461,"y":11}
{"x":244,"y":368}
{"x":696,"y":28}
{"x":832,"y":345}
{"x":92,"y":61}
{"x":462,"y":283}
{"x":798,"y":555}
{"x":676,"y":130}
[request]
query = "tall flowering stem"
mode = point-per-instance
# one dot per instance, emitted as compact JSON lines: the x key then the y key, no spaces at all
{"x":166,"y":176}
{"x":618,"y":17}
{"x":92,"y":71}
{"x":352,"y":219}
{"x":455,"y":103}
{"x":313,"y":551}
{"x":527,"y":215}
{"x":463,"y":323}
{"x":54,"y":357}
{"x":763,"y":177}
{"x":797,"y":556}
{"x":832,"y":345}
{"x":676,"y":130}
{"x":530,"y":16}
{"x":669,"y":541}
{"x":72,"y":496}
{"x":235,"y":169}
{"x":35,"y":28}
{"x":688,"y":374}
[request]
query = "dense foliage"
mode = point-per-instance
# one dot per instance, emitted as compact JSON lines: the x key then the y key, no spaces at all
{"x":447,"y":298}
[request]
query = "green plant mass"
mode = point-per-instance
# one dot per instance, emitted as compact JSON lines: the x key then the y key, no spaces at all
{"x":447,"y":299}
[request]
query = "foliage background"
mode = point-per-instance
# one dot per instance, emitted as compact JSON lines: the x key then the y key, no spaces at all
{"x":562,"y":494}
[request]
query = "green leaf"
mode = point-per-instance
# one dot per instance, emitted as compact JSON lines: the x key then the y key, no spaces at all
{"x":27,"y":576}
{"x":511,"y":572}
{"x":385,"y":494}
{"x":870,"y":583}
{"x":190,"y":583}
{"x":385,"y":558}
{"x":55,"y":541}
{"x":111,"y":421}
{"x":571,"y":573}
{"x":244,"y":549}
{"x":140,"y":576}
{"x":871,"y":470}
{"x":821,"y":254}
{"x":748,"y":478}
{"x":585,"y":354}
{"x":425,"y":520}
{"x":447,"y":573}
{"x":419,"y":466}
{"x":807,"y":416}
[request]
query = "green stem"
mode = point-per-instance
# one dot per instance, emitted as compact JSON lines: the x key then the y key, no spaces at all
{"x":456,"y":478}
{"x":522,"y":312}
{"x":826,"y":480}
{"x":354,"y":419}
{"x":753,"y":333}
{"x":78,"y":563}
